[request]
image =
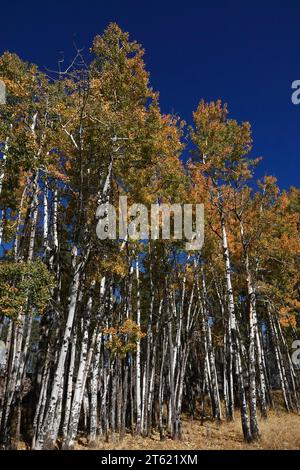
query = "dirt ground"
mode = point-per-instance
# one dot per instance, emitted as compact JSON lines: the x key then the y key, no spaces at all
{"x":280,"y":431}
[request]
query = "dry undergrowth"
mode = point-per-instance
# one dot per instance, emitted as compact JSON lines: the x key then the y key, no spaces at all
{"x":280,"y":431}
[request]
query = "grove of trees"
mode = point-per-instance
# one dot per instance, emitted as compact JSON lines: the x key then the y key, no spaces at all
{"x":105,"y":337}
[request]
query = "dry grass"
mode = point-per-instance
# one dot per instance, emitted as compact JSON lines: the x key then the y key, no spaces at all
{"x":280,"y":431}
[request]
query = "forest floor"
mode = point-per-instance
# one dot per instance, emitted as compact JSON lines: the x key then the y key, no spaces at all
{"x":280,"y":431}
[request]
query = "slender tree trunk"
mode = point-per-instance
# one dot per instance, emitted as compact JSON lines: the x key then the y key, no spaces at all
{"x":233,"y":332}
{"x":138,"y":354}
{"x":47,"y":436}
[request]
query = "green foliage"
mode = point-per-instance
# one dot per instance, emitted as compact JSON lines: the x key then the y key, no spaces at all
{"x":24,"y":286}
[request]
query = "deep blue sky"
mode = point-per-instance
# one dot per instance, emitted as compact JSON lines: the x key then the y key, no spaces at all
{"x":245,"y":52}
